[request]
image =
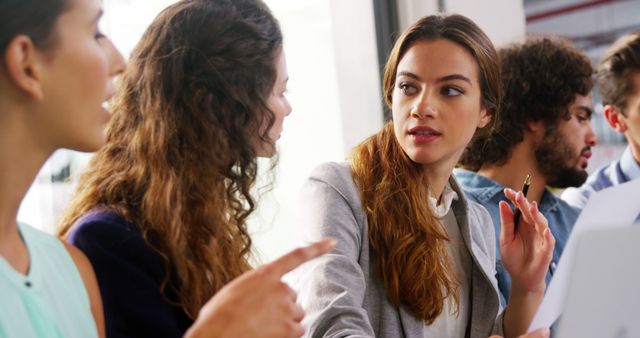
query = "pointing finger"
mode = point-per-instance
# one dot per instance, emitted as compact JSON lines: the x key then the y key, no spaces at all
{"x":297,"y":257}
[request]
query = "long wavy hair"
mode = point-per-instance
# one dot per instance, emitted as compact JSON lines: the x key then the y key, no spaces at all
{"x":179,"y":159}
{"x":408,"y":240}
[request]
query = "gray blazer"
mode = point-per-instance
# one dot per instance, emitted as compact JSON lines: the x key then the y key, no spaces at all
{"x":341,"y":294}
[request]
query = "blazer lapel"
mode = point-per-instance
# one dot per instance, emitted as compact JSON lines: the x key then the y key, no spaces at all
{"x":484,"y":291}
{"x":471,"y":237}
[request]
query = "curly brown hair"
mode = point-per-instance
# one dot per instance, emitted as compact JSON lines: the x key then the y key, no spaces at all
{"x":408,"y":240}
{"x":612,"y":75}
{"x":540,"y":78}
{"x":179,"y":159}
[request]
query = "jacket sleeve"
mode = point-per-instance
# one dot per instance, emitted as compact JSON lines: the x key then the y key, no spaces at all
{"x":477,"y":211}
{"x":332,"y":287}
{"x":130,"y":274}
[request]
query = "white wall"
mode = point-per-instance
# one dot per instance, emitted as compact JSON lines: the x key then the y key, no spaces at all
{"x":335,"y":95}
{"x":502,"y":20}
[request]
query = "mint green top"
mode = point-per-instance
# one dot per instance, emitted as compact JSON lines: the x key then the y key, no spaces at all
{"x":51,"y":300}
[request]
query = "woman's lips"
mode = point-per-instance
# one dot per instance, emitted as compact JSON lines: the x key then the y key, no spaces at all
{"x":424,"y":134}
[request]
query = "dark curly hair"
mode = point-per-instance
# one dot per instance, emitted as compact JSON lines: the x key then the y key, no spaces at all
{"x":180,"y":159}
{"x":622,"y":58}
{"x":540,"y":79}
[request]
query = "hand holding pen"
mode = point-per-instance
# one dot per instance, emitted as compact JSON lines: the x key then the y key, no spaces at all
{"x":527,"y":251}
{"x":525,"y":189}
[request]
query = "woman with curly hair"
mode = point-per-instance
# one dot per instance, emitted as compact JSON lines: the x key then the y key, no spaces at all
{"x":161,"y":211}
{"x":414,"y":257}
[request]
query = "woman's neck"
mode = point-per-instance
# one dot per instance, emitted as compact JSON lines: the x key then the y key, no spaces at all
{"x":437,"y":178}
{"x":21,"y":159}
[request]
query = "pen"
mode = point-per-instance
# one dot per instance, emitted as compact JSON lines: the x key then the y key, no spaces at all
{"x":525,"y":189}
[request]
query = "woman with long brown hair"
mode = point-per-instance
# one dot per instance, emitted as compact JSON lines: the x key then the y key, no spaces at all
{"x":414,"y":258}
{"x":161,"y":211}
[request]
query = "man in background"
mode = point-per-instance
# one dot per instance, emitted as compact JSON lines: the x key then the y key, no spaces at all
{"x":543,"y":129}
{"x":618,"y":78}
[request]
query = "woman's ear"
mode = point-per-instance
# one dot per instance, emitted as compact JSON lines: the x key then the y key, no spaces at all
{"x":22,"y":63}
{"x":615,"y":118}
{"x":485,"y":117}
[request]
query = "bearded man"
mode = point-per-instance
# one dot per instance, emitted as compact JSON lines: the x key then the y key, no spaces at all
{"x":543,"y":128}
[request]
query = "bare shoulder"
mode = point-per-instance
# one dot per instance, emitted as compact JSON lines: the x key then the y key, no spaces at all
{"x":90,"y":283}
{"x":80,"y":259}
{"x":85,"y":268}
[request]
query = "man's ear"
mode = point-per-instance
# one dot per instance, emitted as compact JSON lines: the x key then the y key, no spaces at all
{"x":23,"y":66}
{"x":534,"y":126}
{"x":534,"y":130}
{"x":615,"y":118}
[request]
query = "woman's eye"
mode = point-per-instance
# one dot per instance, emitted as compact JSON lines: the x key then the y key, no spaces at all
{"x":451,"y":91}
{"x":407,"y":89}
{"x":99,"y":35}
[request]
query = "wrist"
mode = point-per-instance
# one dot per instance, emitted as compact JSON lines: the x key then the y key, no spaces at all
{"x":526,"y":289}
{"x":520,"y":296}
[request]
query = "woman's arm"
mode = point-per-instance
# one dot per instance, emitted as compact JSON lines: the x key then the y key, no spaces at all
{"x":526,"y":253}
{"x":90,"y":284}
{"x":332,"y":288}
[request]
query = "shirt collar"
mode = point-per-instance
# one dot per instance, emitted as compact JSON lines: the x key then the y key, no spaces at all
{"x":485,"y":190}
{"x":447,"y":197}
{"x":628,"y":165}
{"x":482,"y":188}
{"x":548,"y":202}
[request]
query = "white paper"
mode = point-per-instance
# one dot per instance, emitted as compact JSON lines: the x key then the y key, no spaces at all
{"x":613,"y":207}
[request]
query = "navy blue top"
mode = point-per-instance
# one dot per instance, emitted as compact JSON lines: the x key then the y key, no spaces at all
{"x":129,"y":274}
{"x":560,"y":215}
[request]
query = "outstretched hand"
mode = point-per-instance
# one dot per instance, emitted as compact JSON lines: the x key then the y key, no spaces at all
{"x":258,"y":303}
{"x":527,"y":249}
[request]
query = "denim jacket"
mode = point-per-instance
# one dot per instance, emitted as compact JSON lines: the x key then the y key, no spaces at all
{"x":560,"y":215}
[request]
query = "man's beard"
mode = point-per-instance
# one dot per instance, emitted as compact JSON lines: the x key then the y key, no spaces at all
{"x":558,"y":162}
